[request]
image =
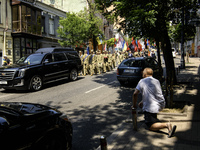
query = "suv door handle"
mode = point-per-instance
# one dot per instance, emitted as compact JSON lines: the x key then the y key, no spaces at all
{"x":55,"y":65}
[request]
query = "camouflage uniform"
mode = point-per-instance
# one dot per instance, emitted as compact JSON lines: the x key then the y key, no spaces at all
{"x":136,"y":54}
{"x":105,"y":61}
{"x":126,"y":55}
{"x":121,"y":57}
{"x":99,"y":62}
{"x":113,"y":60}
{"x":85,"y":63}
{"x":92,"y":62}
{"x":81,"y":57}
{"x":110,"y":61}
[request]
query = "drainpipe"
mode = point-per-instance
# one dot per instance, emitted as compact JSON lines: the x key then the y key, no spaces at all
{"x":5,"y":30}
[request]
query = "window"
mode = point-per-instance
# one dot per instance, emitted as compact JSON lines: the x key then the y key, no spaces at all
{"x":51,"y":26}
{"x":9,"y":44}
{"x":15,"y":16}
{"x":43,"y":24}
{"x":151,"y":63}
{"x":48,"y":58}
{"x":39,"y":22}
{"x":34,"y":22}
{"x":24,"y":19}
{"x":59,"y":57}
{"x":132,"y":63}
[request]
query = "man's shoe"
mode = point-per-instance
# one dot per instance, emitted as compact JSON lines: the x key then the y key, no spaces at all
{"x":171,"y":133}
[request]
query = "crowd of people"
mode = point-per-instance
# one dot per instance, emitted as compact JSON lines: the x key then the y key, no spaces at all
{"x":97,"y":63}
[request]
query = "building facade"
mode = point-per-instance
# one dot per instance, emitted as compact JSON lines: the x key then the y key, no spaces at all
{"x":78,"y":5}
{"x":34,"y":26}
{"x":66,"y":5}
{"x":50,"y":23}
{"x":6,"y":45}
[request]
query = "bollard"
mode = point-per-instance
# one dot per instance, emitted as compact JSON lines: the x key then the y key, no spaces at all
{"x":134,"y":118}
{"x":103,"y":143}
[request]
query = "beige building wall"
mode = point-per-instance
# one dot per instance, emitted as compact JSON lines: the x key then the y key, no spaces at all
{"x":5,"y":29}
{"x":67,"y":5}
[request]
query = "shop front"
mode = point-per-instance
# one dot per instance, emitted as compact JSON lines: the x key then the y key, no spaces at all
{"x":24,"y":45}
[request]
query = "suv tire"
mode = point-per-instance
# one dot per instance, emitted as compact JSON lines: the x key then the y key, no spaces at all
{"x":36,"y":83}
{"x":73,"y":75}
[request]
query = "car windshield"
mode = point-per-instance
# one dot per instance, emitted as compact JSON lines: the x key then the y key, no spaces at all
{"x":31,"y":59}
{"x":131,"y":63}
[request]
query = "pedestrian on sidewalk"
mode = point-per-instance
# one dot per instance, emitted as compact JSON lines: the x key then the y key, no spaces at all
{"x":152,"y":102}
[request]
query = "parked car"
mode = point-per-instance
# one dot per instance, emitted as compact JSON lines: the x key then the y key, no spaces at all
{"x":33,"y":126}
{"x":130,"y":70}
{"x":44,"y":66}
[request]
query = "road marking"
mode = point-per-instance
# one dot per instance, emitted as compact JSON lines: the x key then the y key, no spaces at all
{"x":5,"y":95}
{"x":99,"y":87}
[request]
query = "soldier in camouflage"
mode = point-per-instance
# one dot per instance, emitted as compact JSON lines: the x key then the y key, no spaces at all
{"x":85,"y":63}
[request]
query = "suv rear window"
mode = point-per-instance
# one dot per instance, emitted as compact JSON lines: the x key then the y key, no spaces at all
{"x":59,"y":57}
{"x":72,"y":55}
{"x":132,"y":63}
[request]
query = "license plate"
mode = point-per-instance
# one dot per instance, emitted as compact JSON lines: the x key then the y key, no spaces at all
{"x":129,"y":70}
{"x":3,"y":82}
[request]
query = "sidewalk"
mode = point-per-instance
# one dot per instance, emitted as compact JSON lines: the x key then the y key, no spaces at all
{"x":187,"y":134}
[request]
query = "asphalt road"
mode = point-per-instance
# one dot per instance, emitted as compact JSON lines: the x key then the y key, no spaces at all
{"x":96,"y":105}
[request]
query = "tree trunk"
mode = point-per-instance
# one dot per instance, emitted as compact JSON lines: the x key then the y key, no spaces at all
{"x":169,"y":63}
{"x":158,"y":52}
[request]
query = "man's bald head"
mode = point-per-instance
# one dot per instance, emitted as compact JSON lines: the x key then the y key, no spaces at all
{"x":147,"y":72}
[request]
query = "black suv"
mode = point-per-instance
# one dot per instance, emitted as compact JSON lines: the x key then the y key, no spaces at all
{"x":44,"y":66}
{"x":33,"y":126}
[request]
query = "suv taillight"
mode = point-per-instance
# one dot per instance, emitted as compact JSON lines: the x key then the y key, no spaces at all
{"x":117,"y":71}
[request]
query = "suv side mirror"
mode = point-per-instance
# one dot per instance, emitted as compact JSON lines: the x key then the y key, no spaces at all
{"x":46,"y":61}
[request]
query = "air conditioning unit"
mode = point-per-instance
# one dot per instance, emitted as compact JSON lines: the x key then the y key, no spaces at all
{"x":51,"y":17}
{"x":42,"y":13}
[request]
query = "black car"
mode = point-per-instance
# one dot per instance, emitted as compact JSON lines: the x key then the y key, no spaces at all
{"x":130,"y":70}
{"x":44,"y":66}
{"x":33,"y":126}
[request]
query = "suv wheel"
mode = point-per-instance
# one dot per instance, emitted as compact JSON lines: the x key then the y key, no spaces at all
{"x":73,"y":75}
{"x":36,"y":83}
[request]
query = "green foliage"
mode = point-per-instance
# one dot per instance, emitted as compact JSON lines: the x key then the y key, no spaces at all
{"x":189,"y":32}
{"x":78,"y":28}
{"x":73,"y":30}
{"x":110,"y":42}
{"x":146,"y":18}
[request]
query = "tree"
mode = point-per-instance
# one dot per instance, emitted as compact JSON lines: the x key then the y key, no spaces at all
{"x":189,"y":32}
{"x":148,"y":19}
{"x":95,"y":22}
{"x":73,"y":30}
{"x":78,"y":28}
